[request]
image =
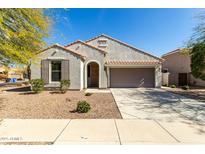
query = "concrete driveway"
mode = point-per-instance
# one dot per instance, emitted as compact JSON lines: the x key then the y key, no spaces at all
{"x":157,"y":104}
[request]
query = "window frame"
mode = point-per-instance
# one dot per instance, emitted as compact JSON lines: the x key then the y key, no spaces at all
{"x":55,"y":71}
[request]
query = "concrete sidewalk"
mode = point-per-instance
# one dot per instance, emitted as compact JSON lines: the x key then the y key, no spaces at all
{"x":99,"y":131}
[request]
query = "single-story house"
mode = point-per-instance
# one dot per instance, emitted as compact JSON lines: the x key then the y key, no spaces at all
{"x":177,"y":64}
{"x":100,"y":62}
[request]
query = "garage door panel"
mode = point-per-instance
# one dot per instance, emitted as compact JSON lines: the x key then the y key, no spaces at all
{"x":132,"y":77}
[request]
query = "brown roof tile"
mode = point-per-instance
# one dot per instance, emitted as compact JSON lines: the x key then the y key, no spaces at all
{"x":79,"y":41}
{"x":132,"y":62}
{"x":66,"y":49}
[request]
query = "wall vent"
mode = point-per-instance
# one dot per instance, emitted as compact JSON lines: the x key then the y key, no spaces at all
{"x":102,"y":43}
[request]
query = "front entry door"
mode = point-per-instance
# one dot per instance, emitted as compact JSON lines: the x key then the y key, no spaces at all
{"x":93,"y":75}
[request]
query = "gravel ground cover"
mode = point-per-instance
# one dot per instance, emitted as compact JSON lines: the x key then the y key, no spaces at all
{"x":17,"y":103}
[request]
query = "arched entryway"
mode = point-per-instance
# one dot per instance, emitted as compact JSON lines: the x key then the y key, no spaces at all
{"x":93,"y":75}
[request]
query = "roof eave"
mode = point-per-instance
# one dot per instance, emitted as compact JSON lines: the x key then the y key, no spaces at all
{"x":68,"y":50}
{"x":171,"y":52}
{"x":79,"y":41}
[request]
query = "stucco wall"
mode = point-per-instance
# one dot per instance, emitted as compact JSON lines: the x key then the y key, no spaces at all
{"x":78,"y":68}
{"x":57,"y":53}
{"x":92,"y":55}
{"x":165,"y":78}
{"x":158,"y":76}
{"x":118,"y":51}
{"x":176,"y":63}
{"x":179,"y":63}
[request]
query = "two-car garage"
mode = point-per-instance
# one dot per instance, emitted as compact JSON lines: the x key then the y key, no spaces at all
{"x":132,"y":77}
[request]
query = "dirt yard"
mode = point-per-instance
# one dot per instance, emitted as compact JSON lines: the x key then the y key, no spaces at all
{"x":197,"y":93}
{"x":46,"y":105}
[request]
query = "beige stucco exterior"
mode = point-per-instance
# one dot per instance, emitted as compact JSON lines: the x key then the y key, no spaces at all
{"x":92,"y":52}
{"x":119,"y":51}
{"x":75,"y":64}
{"x":92,"y":55}
{"x":178,"y":62}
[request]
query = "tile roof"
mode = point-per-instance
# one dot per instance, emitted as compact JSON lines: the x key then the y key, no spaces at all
{"x":132,"y":62}
{"x":66,"y":49}
{"x":79,"y":41}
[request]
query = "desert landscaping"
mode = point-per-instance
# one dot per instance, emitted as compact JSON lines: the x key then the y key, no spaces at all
{"x":17,"y":103}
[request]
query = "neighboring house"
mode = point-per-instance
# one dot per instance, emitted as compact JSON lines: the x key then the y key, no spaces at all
{"x":13,"y":71}
{"x":16,"y":71}
{"x":177,"y":64}
{"x":100,"y":62}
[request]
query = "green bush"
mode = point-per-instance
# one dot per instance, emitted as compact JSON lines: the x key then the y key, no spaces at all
{"x":37,"y":85}
{"x":173,"y":86}
{"x":83,"y":107}
{"x":88,"y":94}
{"x":64,"y":85}
{"x":165,"y":85}
{"x":186,"y":87}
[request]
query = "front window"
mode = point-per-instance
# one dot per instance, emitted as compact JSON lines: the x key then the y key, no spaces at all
{"x":55,"y":71}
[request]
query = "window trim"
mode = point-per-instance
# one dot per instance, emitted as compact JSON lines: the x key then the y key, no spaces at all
{"x":50,"y":70}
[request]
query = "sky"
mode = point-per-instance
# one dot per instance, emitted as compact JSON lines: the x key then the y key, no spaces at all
{"x":156,"y":31}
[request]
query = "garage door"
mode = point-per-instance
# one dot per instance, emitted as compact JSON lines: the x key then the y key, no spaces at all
{"x":132,"y":77}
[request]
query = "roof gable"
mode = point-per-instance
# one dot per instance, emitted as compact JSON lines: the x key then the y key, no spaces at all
{"x":86,"y":44}
{"x":65,"y":49}
{"x":125,"y":44}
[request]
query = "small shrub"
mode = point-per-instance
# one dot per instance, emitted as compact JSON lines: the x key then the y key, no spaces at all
{"x":186,"y":87}
{"x":83,"y":107}
{"x":37,"y":85}
{"x":88,"y":94}
{"x":64,"y":85}
{"x":173,"y":86}
{"x":165,"y":85}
